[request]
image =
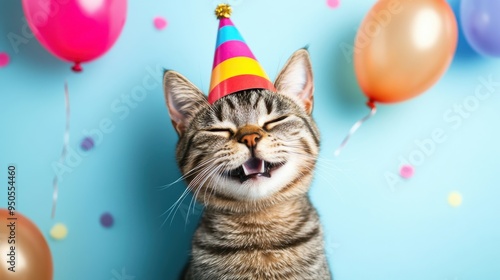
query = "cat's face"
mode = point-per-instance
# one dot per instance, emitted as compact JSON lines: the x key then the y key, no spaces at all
{"x":249,"y":146}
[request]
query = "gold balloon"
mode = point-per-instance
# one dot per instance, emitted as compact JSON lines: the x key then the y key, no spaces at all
{"x":403,"y":47}
{"x":30,"y":256}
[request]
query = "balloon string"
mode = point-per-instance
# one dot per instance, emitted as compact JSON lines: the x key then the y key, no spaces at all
{"x":64,"y":150}
{"x":354,"y":128}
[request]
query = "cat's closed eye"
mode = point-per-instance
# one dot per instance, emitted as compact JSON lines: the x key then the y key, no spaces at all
{"x":272,"y":123}
{"x":221,"y":131}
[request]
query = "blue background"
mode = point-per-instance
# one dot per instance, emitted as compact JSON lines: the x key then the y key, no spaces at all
{"x":375,"y":228}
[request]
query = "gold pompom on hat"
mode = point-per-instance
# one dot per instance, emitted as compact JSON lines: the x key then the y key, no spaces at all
{"x":223,"y":11}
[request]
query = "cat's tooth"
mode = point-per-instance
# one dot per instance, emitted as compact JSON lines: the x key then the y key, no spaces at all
{"x":245,"y":170}
{"x":263,"y":167}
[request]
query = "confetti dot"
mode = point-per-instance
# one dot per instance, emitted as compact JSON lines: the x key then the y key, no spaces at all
{"x":107,"y":220}
{"x":455,"y":199}
{"x":4,"y":59}
{"x":333,"y":3}
{"x":87,"y":143}
{"x":160,"y":23}
{"x":59,"y":231}
{"x":406,"y":171}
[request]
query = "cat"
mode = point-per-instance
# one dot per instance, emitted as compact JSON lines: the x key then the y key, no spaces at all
{"x":249,"y":159}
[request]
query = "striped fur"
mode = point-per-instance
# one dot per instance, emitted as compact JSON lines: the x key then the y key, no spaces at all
{"x":262,"y":228}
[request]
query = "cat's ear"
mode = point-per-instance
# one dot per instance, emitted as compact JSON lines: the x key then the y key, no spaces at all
{"x":296,"y":79}
{"x":183,"y":98}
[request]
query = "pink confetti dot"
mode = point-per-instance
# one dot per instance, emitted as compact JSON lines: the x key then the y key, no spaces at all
{"x":160,"y":23}
{"x":333,"y":3}
{"x":406,"y":171}
{"x":4,"y":59}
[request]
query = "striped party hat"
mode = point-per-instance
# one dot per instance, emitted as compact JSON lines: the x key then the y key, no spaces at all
{"x":235,"y":67}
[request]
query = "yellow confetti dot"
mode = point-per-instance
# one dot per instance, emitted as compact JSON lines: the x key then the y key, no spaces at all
{"x":455,"y":199}
{"x":59,"y":231}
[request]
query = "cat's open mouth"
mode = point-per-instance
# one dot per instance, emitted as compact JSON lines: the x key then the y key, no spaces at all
{"x":254,"y":168}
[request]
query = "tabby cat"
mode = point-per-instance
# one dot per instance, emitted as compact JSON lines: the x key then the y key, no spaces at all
{"x":249,"y":159}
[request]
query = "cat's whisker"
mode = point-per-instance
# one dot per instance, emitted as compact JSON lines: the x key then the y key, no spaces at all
{"x":202,"y":173}
{"x":319,"y":165}
{"x":299,"y":151}
{"x":328,"y":181}
{"x":295,"y":143}
{"x":218,"y":181}
{"x":200,"y":183}
{"x":173,"y":209}
{"x":323,"y":169}
{"x":199,"y":186}
{"x":216,"y":171}
{"x":183,"y":177}
{"x":212,"y":184}
{"x":189,"y":189}
{"x":175,"y":203}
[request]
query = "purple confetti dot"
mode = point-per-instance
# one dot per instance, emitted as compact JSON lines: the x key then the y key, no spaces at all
{"x":107,"y":220}
{"x":87,"y":143}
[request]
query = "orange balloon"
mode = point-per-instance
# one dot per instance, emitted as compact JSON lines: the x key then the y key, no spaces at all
{"x":24,"y":253}
{"x":403,"y":47}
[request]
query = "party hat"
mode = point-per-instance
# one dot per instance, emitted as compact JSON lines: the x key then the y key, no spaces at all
{"x":235,"y":67}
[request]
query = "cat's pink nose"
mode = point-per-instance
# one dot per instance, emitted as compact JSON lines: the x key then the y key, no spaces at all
{"x":250,"y":139}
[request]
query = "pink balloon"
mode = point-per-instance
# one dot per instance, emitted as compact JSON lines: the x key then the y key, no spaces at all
{"x":76,"y":30}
